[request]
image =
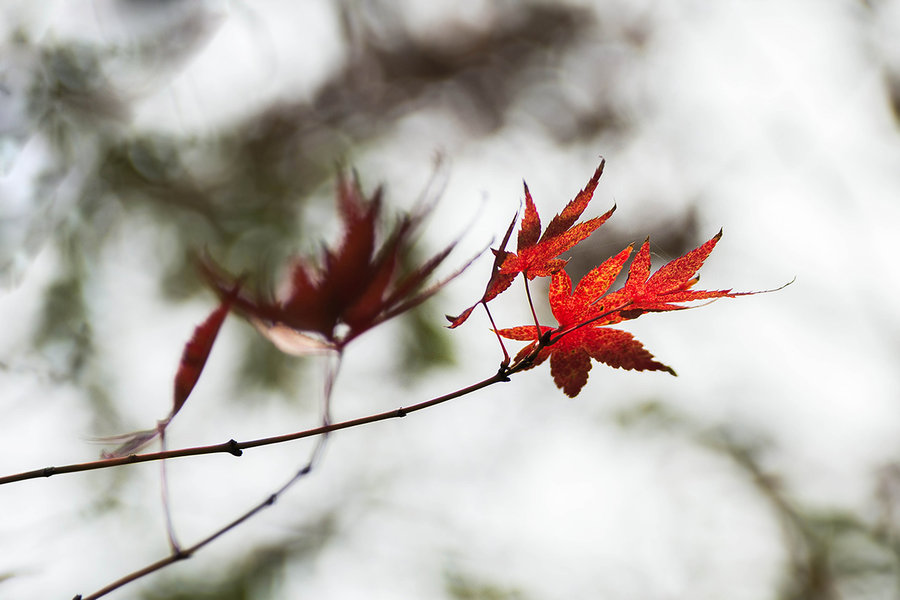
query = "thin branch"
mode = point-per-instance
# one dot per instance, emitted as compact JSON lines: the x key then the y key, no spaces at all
{"x":236,"y":448}
{"x":499,"y":339}
{"x":188,"y":552}
{"x":332,"y":367}
{"x":557,"y":334}
{"x":501,"y":375}
{"x":164,"y":492}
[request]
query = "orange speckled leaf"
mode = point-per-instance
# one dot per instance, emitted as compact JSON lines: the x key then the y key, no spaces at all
{"x":597,"y":282}
{"x":640,"y":267}
{"x":530,"y":230}
{"x":680,"y":272}
{"x":536,"y":255}
{"x":584,"y":339}
{"x":570,"y":370}
{"x":522,"y":332}
{"x":564,"y":220}
{"x":670,"y":285}
{"x":619,"y":349}
{"x":540,"y":259}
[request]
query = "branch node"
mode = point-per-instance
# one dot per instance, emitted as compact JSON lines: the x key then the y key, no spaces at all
{"x":401,"y":412}
{"x":503,"y":372}
{"x":271,"y":500}
{"x":48,"y":471}
{"x":180,"y":554}
{"x":546,"y":338}
{"x":233,"y":448}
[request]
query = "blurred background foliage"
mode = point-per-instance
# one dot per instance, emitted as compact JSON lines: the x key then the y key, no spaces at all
{"x":832,"y":554}
{"x":241,"y":192}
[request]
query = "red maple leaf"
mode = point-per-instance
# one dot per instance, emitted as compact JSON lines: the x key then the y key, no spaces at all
{"x":196,"y":352}
{"x":193,"y":359}
{"x":583,"y":315}
{"x":352,"y":288}
{"x":537,"y":254}
{"x":665,"y":289}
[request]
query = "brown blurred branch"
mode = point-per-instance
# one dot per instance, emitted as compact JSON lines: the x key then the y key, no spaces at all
{"x":236,"y":448}
{"x":502,"y":375}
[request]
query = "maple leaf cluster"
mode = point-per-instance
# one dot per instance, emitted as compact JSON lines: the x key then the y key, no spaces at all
{"x":584,"y":314}
{"x":351,"y":288}
{"x":193,"y":359}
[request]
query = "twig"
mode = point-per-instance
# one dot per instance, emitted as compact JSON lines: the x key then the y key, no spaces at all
{"x":501,"y":375}
{"x":236,"y":448}
{"x":559,"y":333}
{"x":188,"y":552}
{"x":537,"y":324}
{"x":495,"y":330}
{"x":164,"y":493}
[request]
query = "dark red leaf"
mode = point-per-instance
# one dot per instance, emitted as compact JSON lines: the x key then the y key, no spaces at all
{"x":196,"y":352}
{"x":355,"y":286}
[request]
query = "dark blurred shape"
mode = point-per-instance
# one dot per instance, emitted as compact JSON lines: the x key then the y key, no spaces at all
{"x":461,"y":586}
{"x":474,"y":73}
{"x":65,"y":323}
{"x":75,"y":92}
{"x":893,"y":95}
{"x":424,"y":344}
{"x":830,"y":550}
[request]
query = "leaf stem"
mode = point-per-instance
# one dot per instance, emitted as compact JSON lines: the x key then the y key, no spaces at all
{"x":499,"y":339}
{"x":165,"y":496}
{"x":537,"y":324}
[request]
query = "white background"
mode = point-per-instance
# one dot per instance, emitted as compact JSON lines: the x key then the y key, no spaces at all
{"x":771,"y":116}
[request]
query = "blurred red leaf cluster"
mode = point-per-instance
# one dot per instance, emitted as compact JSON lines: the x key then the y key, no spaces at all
{"x":358,"y":284}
